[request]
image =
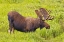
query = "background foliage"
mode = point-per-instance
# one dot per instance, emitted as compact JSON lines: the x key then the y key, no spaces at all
{"x":26,"y":8}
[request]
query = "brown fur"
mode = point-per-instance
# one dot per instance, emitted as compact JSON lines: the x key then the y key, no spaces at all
{"x":24,"y":24}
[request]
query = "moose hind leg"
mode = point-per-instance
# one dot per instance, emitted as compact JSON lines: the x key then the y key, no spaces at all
{"x":11,"y":29}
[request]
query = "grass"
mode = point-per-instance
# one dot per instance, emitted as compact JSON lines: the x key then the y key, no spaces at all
{"x":26,"y":8}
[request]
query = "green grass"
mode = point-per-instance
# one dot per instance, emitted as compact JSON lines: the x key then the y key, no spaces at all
{"x":27,"y":8}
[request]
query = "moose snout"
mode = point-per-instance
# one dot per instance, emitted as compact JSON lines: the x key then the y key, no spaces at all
{"x":47,"y":27}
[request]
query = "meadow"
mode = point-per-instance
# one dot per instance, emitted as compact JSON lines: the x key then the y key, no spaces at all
{"x":27,"y":9}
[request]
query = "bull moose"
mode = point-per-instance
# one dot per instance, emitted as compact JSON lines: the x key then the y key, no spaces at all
{"x":27,"y":24}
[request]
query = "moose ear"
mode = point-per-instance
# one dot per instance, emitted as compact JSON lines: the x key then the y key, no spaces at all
{"x":45,"y":14}
{"x":39,"y":14}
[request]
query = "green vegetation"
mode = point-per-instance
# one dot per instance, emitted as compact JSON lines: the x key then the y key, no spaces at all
{"x":26,"y":8}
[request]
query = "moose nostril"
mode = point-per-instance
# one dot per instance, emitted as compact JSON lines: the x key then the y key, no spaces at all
{"x":48,"y":27}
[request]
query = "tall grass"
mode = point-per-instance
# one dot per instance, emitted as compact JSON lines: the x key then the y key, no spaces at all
{"x":26,"y":8}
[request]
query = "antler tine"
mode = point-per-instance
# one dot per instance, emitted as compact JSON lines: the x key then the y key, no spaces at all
{"x":39,"y":14}
{"x":50,"y":17}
